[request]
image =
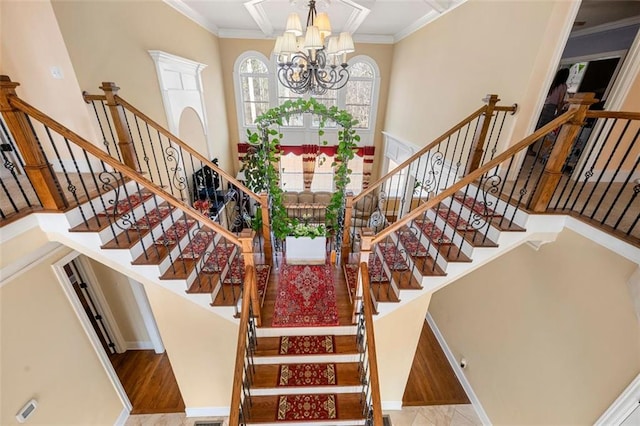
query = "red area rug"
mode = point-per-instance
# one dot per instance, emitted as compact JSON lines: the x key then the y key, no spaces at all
{"x":392,"y":257}
{"x":153,"y":217}
{"x":307,"y":345}
{"x":306,"y":297}
{"x":122,"y":206}
{"x":351,"y":277}
{"x":377,"y":273}
{"x":452,"y":218}
{"x":307,"y":407}
{"x":411,"y":242}
{"x":198,"y":245}
{"x":431,"y":231}
{"x":219,"y":258}
{"x":307,"y":375}
{"x":479,"y":207}
{"x":175,"y":232}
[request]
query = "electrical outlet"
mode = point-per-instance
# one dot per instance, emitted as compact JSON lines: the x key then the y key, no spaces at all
{"x":56,"y":72}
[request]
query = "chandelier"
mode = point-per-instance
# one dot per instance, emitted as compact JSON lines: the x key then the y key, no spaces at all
{"x":311,"y":63}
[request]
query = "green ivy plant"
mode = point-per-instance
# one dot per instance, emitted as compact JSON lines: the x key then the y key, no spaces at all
{"x":260,"y":166}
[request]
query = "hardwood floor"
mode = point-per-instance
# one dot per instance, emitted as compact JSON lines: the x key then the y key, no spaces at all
{"x":432,"y":380}
{"x":149,"y":381}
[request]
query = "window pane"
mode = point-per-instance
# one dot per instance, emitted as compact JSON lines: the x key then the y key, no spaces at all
{"x":323,"y":175}
{"x":252,"y":110}
{"x":356,"y":165}
{"x":360,"y":113}
{"x":361,"y":69}
{"x":359,"y":92}
{"x":255,"y":89}
{"x":291,"y":173}
{"x":328,"y":101}
{"x":253,"y":65}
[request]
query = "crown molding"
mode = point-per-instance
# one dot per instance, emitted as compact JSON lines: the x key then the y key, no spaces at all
{"x":626,"y":22}
{"x":196,"y":17}
{"x":424,"y":20}
{"x":248,"y":34}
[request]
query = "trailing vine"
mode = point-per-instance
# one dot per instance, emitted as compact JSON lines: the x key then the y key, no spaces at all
{"x":260,"y":164}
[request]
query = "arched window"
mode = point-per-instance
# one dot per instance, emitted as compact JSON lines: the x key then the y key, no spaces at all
{"x":252,"y":87}
{"x":359,"y":94}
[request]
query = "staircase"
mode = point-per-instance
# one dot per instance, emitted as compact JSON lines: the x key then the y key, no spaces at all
{"x":447,"y":210}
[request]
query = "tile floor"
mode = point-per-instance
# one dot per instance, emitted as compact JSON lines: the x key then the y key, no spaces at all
{"x":437,"y":415}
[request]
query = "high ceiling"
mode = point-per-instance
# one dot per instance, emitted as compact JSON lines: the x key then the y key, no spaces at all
{"x":378,"y":21}
{"x":381,"y":21}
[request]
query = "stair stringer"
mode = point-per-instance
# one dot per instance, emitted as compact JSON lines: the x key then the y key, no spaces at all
{"x":56,"y":226}
{"x":538,"y":228}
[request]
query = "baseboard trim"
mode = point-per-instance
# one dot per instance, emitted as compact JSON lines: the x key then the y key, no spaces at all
{"x":484,"y":418}
{"x":139,"y":345}
{"x":391,"y":405}
{"x":623,"y":406}
{"x":122,"y":418}
{"x":207,"y":411}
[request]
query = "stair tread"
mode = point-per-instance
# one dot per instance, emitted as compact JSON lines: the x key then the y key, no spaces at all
{"x":428,"y":267}
{"x":478,"y":239}
{"x":102,"y":220}
{"x":204,"y":283}
{"x":266,"y":375}
{"x":405,"y":280}
{"x":130,"y":237}
{"x":155,"y":253}
{"x":384,"y":293}
{"x":264,"y":409}
{"x":270,"y":346}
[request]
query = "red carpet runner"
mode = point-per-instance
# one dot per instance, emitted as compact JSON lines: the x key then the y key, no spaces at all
{"x":307,"y":345}
{"x":307,"y":407}
{"x":306,"y":297}
{"x":307,"y":375}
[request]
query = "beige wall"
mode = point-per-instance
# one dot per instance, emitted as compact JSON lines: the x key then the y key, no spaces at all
{"x":122,"y":303}
{"x":45,"y":354}
{"x":109,"y":40}
{"x":550,"y":336}
{"x":230,"y":49}
{"x":441,"y":72}
{"x":201,"y":346}
{"x":30,"y":44}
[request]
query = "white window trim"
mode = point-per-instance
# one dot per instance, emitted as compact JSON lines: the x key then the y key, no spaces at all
{"x":242,"y":128}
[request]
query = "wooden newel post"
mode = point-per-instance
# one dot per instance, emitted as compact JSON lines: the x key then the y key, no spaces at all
{"x":477,"y":146}
{"x":568,"y":133}
{"x":246,"y":239}
{"x":125,"y":143}
{"x":36,"y":166}
{"x":366,"y":246}
{"x":266,"y":227}
{"x":346,"y":233}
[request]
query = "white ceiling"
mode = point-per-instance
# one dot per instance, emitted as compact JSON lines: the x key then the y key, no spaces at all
{"x":374,"y":21}
{"x":378,"y":21}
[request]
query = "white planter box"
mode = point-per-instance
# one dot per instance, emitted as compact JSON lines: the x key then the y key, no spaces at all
{"x":306,"y":250}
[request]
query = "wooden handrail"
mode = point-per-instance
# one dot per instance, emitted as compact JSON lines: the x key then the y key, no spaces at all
{"x":241,"y":348}
{"x":512,"y":108}
{"x":89,"y":97}
{"x":614,"y":114}
{"x":125,"y":170}
{"x":418,"y":154}
{"x":187,"y":148}
{"x":371,"y":346}
{"x":511,"y":151}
